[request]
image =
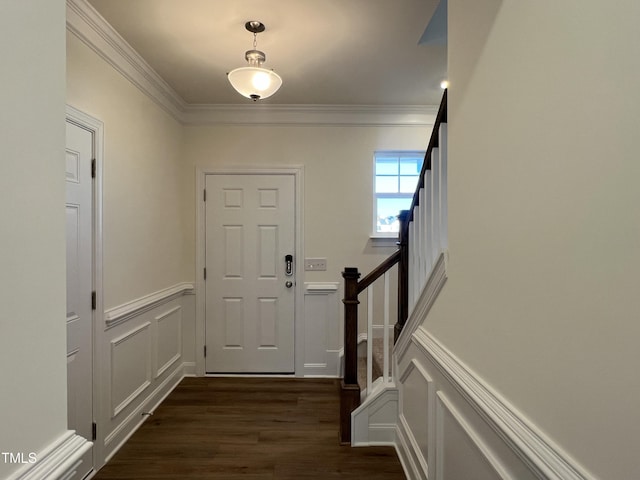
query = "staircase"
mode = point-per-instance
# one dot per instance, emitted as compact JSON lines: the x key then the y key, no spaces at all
{"x":369,"y":397}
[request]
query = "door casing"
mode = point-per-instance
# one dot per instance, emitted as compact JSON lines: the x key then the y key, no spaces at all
{"x":96,"y":127}
{"x":298,"y":173}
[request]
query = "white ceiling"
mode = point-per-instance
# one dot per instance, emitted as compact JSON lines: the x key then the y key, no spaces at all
{"x":328,"y":52}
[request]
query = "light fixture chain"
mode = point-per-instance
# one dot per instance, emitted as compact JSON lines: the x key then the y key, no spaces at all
{"x":255,"y":40}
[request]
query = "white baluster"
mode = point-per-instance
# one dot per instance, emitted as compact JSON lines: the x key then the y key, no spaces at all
{"x":435,"y":195}
{"x":444,"y":222}
{"x":416,"y":270}
{"x":421,"y":239}
{"x":369,"y":338}
{"x":428,"y":213}
{"x":385,"y":335}
{"x":411,"y":266}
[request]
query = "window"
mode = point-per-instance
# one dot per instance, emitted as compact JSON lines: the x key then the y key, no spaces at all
{"x":396,"y":176}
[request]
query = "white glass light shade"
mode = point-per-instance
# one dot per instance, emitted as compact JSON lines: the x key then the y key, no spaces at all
{"x":254,"y":82}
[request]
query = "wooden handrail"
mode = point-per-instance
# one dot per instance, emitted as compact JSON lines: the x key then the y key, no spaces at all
{"x":378,"y":271}
{"x":434,"y":142}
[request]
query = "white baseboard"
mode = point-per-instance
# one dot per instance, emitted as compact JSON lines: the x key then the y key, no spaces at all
{"x":59,"y":461}
{"x":189,"y":369}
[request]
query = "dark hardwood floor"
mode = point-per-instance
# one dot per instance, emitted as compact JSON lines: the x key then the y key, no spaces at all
{"x":249,"y":428}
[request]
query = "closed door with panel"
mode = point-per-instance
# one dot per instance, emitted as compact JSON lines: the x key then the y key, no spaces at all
{"x":250,"y":284}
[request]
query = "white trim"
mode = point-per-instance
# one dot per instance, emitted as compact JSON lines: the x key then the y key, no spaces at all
{"x":116,"y":409}
{"x":407,"y":449}
{"x":57,"y":461}
{"x":94,"y":31}
{"x":96,"y":127}
{"x":189,"y":369}
{"x":427,"y":298}
{"x":540,"y":454}
{"x":135,"y":419}
{"x":373,"y":422}
{"x":418,"y":459}
{"x":298,"y":173}
{"x":491,"y":460}
{"x":161,"y":369}
{"x":120,"y":314}
{"x":311,"y":115}
{"x":324,"y":288}
{"x":377,"y":240}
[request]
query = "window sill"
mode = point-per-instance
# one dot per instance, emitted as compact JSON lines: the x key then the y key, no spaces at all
{"x":378,"y":240}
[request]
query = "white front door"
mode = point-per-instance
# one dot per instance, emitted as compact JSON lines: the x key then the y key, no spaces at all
{"x":250,"y":288}
{"x":79,"y":213}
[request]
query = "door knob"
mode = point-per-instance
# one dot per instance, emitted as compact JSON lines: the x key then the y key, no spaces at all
{"x":288,"y":284}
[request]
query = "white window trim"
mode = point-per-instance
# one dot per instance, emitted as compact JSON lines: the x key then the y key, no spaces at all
{"x":385,"y":238}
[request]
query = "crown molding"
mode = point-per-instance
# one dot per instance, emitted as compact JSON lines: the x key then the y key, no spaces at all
{"x":308,"y":115}
{"x":94,"y":31}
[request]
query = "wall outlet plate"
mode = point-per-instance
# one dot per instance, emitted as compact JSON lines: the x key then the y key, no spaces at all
{"x":311,"y":264}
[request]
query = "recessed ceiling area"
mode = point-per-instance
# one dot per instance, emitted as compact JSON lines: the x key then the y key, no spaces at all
{"x":328,"y":52}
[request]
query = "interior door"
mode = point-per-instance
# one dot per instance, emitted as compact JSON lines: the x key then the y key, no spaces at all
{"x":250,"y":284}
{"x":79,"y":214}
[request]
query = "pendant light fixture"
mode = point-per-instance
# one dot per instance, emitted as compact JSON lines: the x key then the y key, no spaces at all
{"x":255,"y":82}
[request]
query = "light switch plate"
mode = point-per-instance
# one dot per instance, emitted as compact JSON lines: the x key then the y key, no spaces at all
{"x":318,"y":264}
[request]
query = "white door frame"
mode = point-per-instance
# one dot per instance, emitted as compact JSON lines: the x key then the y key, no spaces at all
{"x":96,"y":127}
{"x":298,"y":173}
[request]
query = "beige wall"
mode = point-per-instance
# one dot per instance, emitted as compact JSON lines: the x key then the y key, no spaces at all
{"x":32,"y":276}
{"x":544,"y":226}
{"x":143,"y":198}
{"x":338,"y":164}
{"x":150,"y":160}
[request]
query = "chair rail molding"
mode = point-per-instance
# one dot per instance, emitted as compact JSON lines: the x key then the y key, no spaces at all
{"x":120,"y":314}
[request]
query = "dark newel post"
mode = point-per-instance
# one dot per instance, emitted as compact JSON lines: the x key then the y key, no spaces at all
{"x":403,"y":275}
{"x":350,"y":391}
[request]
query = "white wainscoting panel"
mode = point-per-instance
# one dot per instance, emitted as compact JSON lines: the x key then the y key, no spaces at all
{"x":470,"y":431}
{"x":461,"y":453}
{"x":141,"y":360}
{"x":321,"y":336}
{"x":451,"y":424}
{"x":418,"y":428}
{"x":168,"y":339}
{"x":130,"y":367}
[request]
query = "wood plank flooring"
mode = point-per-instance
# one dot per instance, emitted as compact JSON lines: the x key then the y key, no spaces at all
{"x":249,"y":428}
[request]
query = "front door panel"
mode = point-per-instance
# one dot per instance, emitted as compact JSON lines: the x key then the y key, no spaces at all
{"x":250,"y":229}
